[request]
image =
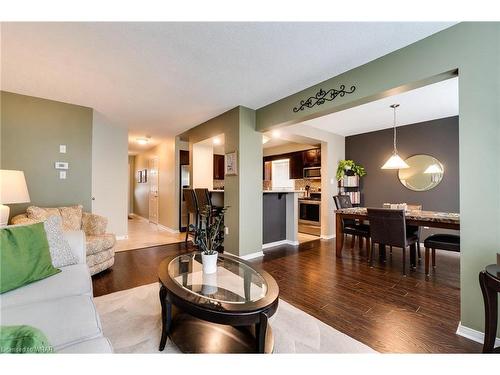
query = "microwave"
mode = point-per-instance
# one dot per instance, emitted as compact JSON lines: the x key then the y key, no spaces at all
{"x":312,"y":172}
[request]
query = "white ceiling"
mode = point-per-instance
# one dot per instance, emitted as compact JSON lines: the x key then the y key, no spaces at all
{"x":160,"y":79}
{"x":427,"y":103}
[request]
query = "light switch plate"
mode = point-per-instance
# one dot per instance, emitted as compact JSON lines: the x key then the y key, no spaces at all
{"x":61,"y":165}
{"x":62,"y":149}
{"x":62,"y":175}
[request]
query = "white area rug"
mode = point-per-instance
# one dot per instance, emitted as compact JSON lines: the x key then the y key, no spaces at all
{"x":131,"y":320}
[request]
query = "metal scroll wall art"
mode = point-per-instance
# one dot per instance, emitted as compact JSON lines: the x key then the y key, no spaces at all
{"x":323,"y":96}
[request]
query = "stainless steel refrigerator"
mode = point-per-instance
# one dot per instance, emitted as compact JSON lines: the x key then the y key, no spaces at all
{"x":185,"y":182}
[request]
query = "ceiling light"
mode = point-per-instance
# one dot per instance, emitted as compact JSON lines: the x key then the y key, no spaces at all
{"x":276,"y":133}
{"x":265,"y":139}
{"x":142,"y":141}
{"x":395,"y":161}
{"x":216,"y":141}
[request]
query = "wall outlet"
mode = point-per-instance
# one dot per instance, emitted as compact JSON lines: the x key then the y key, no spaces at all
{"x":226,"y":230}
{"x":61,"y":165}
{"x":62,"y":149}
{"x":62,"y":175}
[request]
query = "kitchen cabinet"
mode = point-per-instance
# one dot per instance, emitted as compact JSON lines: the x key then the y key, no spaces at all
{"x":296,"y":165}
{"x":184,"y":157}
{"x":312,"y":158}
{"x":268,"y":168}
{"x":218,"y":167}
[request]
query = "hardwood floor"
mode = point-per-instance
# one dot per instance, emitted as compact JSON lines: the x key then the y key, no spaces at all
{"x":377,"y":306}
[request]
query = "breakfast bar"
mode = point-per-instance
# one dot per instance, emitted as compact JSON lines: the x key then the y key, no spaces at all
{"x":280,"y":217}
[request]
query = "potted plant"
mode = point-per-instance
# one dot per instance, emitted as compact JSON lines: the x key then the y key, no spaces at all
{"x":209,"y":237}
{"x":349,"y":165}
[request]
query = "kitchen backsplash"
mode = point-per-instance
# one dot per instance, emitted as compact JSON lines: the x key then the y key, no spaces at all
{"x":299,"y":184}
{"x":218,"y":184}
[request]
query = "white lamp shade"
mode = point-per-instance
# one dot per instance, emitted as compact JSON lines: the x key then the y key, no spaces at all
{"x":13,"y":187}
{"x":395,"y":162}
{"x":433,"y":168}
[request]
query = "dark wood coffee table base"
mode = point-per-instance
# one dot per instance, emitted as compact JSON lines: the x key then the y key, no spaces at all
{"x":193,"y":335}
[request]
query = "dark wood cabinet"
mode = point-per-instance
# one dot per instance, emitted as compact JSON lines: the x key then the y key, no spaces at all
{"x":218,"y":167}
{"x":298,"y":161}
{"x":312,"y":158}
{"x":296,"y":166}
{"x":268,"y":170}
{"x":184,"y":157}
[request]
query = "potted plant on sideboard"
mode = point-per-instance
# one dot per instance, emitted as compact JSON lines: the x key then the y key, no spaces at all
{"x":348,"y":174}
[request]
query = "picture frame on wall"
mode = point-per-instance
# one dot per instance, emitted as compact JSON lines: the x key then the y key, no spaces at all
{"x":139,"y":177}
{"x":145,"y":175}
{"x":231,"y":164}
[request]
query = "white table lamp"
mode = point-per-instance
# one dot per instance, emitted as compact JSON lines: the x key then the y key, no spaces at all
{"x":13,"y":189}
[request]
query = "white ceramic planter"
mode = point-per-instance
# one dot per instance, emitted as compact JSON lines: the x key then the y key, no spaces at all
{"x":209,"y":262}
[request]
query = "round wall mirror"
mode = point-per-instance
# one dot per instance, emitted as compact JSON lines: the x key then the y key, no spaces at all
{"x":425,"y":173}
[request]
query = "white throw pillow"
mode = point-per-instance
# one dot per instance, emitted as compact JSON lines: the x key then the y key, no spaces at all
{"x":59,"y":248}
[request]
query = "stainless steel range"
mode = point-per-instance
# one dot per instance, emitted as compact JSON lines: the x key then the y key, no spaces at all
{"x":310,"y":214}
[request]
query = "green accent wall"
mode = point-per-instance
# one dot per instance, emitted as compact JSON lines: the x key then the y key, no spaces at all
{"x":243,"y":192}
{"x":31,"y":131}
{"x":471,"y":50}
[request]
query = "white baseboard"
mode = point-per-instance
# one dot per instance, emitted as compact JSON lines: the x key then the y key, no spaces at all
{"x":252,"y":255}
{"x":173,"y":231}
{"x":327,"y":236}
{"x":124,"y":237}
{"x":473,"y":335}
{"x":278,"y":243}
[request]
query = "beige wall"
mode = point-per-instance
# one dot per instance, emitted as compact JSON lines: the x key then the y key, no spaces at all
{"x":167,"y":185}
{"x":286,"y":148}
{"x":131,"y":182}
{"x":110,"y":173}
{"x":32,"y":130}
{"x":203,"y":165}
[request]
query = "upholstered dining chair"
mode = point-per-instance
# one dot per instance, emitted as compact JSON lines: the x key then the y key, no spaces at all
{"x":413,"y":229}
{"x":352,"y":227}
{"x":449,"y":242}
{"x":388,"y":227}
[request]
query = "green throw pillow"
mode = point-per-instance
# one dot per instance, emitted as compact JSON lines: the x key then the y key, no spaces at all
{"x":24,"y":256}
{"x":23,"y":339}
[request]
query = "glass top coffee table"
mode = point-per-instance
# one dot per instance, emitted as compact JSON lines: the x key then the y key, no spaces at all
{"x":222,"y":312}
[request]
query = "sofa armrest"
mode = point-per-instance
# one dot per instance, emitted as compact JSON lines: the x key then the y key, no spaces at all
{"x":23,"y":219}
{"x":94,"y":225}
{"x":76,"y":240}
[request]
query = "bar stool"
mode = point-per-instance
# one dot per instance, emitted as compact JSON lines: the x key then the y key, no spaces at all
{"x":450,"y":242}
{"x":192,"y":209}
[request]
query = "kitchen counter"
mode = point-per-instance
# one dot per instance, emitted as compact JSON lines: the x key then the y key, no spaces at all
{"x":280,"y":222}
{"x":282,"y":191}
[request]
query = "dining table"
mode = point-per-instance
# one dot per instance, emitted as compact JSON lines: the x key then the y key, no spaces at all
{"x":419,"y":218}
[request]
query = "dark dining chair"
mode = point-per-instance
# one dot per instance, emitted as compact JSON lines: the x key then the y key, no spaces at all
{"x":449,"y":242}
{"x":413,"y":228}
{"x":388,"y":227}
{"x":352,"y":227}
{"x":192,"y":209}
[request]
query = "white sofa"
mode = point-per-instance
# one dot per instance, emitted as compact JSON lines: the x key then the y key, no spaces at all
{"x":61,"y":306}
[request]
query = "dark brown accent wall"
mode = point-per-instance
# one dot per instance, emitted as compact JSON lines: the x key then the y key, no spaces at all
{"x":438,"y":138}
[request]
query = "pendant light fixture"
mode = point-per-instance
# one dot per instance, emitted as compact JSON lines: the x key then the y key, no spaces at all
{"x":395,"y":161}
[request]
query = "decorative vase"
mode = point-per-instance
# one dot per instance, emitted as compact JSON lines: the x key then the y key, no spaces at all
{"x":209,"y":262}
{"x":209,"y":284}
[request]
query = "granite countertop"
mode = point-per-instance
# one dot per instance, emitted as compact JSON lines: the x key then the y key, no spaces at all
{"x":282,"y":191}
{"x":441,"y":217}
